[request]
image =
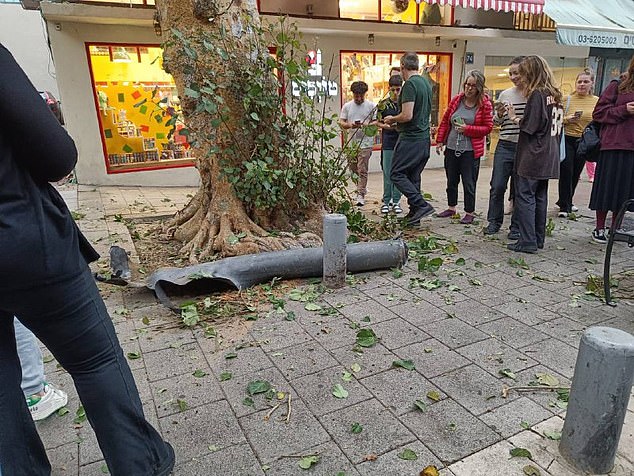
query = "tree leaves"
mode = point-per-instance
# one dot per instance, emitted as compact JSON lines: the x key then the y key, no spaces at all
{"x":307,"y":461}
{"x":366,"y":338}
{"x":508,"y":373}
{"x":547,"y":379}
{"x":530,"y":470}
{"x":339,"y":392}
{"x":356,"y":428}
{"x":199,"y":373}
{"x":258,"y":386}
{"x":408,"y":455}
{"x":520,"y":453}
{"x":226,"y":375}
{"x":433,"y":395}
{"x":189,"y":315}
{"x":406,"y":364}
{"x":422,"y":406}
{"x":552,"y":435}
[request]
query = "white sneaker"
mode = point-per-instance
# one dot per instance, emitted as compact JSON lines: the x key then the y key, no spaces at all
{"x":44,"y":406}
{"x":397,"y":209}
{"x":360,"y":200}
{"x":574,"y":209}
{"x":562,"y":215}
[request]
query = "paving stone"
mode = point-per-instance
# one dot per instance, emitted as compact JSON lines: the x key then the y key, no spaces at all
{"x":192,"y":431}
{"x":143,"y":386}
{"x":331,"y":462}
{"x":389,"y":464}
{"x":505,"y":281}
{"x":330,"y":331}
{"x":454,"y":333}
{"x":371,"y":280}
{"x":303,"y":359}
{"x":316,"y":391}
{"x":472,"y":312}
{"x":507,"y":419}
{"x":157,"y":315}
{"x":94,"y":469}
{"x":195,"y":391}
{"x":370,"y":309}
{"x":343,"y":297}
{"x":473,"y":388}
{"x":390,"y":294}
{"x":398,"y":389}
{"x":564,"y":329}
{"x":372,"y":359}
{"x":493,"y":355}
{"x":157,"y":339}
{"x":132,"y":348}
{"x":512,"y":332}
{"x":397,"y":333}
{"x":438,"y":297}
{"x":237,"y":460}
{"x":449,"y":431}
{"x":247,"y":361}
{"x":419,"y":313}
{"x":182,"y":360}
{"x":277,"y":335}
{"x":235,"y":390}
{"x":527,"y":312}
{"x":432,"y":358}
{"x":588,"y":313}
{"x":492,"y":460}
{"x":64,"y":459}
{"x":624,"y":323}
{"x":555,"y":355}
{"x":381,"y":432}
{"x":535,"y":294}
{"x":274,"y":438}
{"x":546,"y":398}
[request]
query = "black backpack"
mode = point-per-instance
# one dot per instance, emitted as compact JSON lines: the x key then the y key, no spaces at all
{"x":589,"y":145}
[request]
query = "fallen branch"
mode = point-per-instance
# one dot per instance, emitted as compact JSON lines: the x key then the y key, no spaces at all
{"x":506,"y":389}
{"x":268,"y":415}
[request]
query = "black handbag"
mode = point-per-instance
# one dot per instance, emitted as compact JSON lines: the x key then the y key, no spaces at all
{"x":589,"y":145}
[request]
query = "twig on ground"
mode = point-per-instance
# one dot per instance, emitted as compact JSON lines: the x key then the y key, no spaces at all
{"x":506,"y":389}
{"x":268,"y":415}
{"x":288,"y":414}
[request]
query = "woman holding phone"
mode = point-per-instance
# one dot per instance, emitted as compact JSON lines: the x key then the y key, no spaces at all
{"x":578,"y":109}
{"x":462,"y":134}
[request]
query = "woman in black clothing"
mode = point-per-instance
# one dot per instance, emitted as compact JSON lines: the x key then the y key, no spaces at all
{"x":45,"y":279}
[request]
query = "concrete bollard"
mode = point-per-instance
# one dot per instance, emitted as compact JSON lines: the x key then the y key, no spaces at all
{"x":335,"y":237}
{"x":599,"y":396}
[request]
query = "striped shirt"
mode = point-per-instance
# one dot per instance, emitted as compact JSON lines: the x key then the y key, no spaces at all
{"x":509,"y":130}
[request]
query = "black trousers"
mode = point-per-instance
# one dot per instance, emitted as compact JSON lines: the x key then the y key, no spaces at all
{"x":503,"y":163}
{"x":569,"y":172}
{"x":529,"y":212}
{"x":408,"y":162}
{"x":466,"y":167}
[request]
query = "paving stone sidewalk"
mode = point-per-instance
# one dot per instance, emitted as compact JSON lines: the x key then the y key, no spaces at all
{"x":492,"y":312}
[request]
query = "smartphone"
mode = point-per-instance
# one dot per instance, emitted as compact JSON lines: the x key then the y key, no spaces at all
{"x":458,"y":121}
{"x":578,"y":114}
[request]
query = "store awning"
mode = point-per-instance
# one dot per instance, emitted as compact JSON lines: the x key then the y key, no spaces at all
{"x":594,"y":23}
{"x":526,"y":6}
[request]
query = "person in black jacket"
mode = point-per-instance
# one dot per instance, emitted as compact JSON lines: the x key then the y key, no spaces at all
{"x":45,"y":279}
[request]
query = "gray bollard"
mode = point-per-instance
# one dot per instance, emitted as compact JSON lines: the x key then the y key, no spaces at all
{"x":598,"y":401}
{"x":335,"y":237}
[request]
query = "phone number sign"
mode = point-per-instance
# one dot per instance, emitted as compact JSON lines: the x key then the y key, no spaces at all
{"x":595,"y":38}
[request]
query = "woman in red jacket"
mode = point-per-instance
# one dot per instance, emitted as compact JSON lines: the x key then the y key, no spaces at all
{"x":462,"y":133}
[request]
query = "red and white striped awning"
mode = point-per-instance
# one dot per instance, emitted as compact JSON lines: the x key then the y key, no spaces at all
{"x":526,"y":6}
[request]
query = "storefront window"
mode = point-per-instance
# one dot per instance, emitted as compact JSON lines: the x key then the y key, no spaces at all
{"x":374,"y":69}
{"x":395,"y":11}
{"x":138,"y":108}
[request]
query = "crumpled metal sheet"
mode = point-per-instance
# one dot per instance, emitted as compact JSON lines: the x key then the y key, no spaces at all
{"x":245,"y":271}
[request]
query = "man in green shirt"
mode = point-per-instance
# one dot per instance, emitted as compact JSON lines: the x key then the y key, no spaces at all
{"x":412,"y":149}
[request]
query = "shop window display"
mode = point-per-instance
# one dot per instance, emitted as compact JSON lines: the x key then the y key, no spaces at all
{"x":374,"y":69}
{"x":396,"y":11}
{"x":139,"y":109}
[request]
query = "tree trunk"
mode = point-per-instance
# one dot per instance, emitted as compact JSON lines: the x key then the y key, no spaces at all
{"x":216,"y":222}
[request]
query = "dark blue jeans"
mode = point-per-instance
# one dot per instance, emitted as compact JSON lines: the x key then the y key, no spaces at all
{"x":503,"y":162}
{"x":531,"y":207}
{"x":70,"y":318}
{"x":569,"y":172}
{"x":408,"y":162}
{"x":466,"y":167}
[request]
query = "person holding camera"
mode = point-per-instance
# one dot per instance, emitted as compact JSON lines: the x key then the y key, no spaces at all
{"x":578,"y":109}
{"x":462,"y":134}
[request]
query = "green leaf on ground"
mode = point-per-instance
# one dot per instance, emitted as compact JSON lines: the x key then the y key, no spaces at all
{"x":518,"y":263}
{"x":460,"y":262}
{"x":307,"y":461}
{"x":213,"y":448}
{"x":525,"y":425}
{"x":248,"y":401}
{"x":508,"y":373}
{"x":408,"y":455}
{"x":48,"y":358}
{"x":530,"y":470}
{"x":198,"y":373}
{"x":133,"y":355}
{"x":189,"y":315}
{"x":346,"y":376}
{"x":520,"y":453}
{"x":311,"y":306}
{"x":182,"y":404}
{"x":428,"y":350}
{"x":422,"y":406}
{"x":104,"y":469}
{"x":356,"y":368}
{"x":225,"y":376}
{"x":433,"y":395}
{"x":547,"y":379}
{"x":406,"y":364}
{"x":552,"y":435}
{"x":230,"y":355}
{"x":396,"y":273}
{"x":80,"y":415}
{"x":356,"y":428}
{"x":339,"y":392}
{"x":63,"y":411}
{"x":366,"y":338}
{"x":258,"y":386}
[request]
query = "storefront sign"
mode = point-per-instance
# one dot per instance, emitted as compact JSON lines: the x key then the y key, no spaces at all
{"x":317,"y":85}
{"x":595,"y":38}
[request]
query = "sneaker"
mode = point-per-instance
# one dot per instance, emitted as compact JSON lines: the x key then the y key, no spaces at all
{"x":467,"y":219}
{"x":513,"y":235}
{"x":360,"y":200}
{"x":599,"y":236}
{"x":520,"y":248}
{"x":491,"y":229}
{"x":562,"y":215}
{"x":446,"y":214}
{"x":420,"y":213}
{"x":574,"y":209}
{"x":397,"y":209}
{"x":42,"y":406}
{"x":385,"y":208}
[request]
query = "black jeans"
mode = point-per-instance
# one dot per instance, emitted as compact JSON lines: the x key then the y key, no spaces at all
{"x":466,"y":167}
{"x":569,"y":172}
{"x":70,"y":318}
{"x":531,"y":206}
{"x":503,"y":162}
{"x":408,"y":162}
